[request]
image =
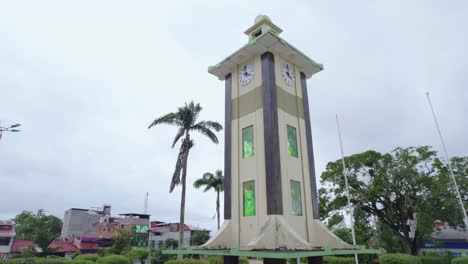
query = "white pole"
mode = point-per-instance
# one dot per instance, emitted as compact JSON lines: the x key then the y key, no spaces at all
{"x":350,"y":207}
{"x":452,"y":176}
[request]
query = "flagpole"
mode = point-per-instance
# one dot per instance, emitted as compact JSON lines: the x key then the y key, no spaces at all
{"x":452,"y":176}
{"x":350,"y":208}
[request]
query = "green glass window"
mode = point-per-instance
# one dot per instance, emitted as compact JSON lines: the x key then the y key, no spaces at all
{"x":296,"y":200}
{"x":249,"y":198}
{"x":292,"y":141}
{"x":247,"y":142}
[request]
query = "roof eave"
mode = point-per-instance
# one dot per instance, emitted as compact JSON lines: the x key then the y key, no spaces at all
{"x":268,"y":41}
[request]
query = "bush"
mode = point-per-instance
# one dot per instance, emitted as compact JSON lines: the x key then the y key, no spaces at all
{"x":460,"y":260}
{"x":17,"y":261}
{"x":338,"y":260}
{"x":397,"y":258}
{"x":435,"y":260}
{"x":82,"y":261}
{"x":114,"y":259}
{"x":187,"y":261}
{"x":90,"y":257}
{"x":50,"y":260}
{"x":220,"y":260}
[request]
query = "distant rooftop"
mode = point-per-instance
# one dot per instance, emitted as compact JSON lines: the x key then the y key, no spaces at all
{"x":144,"y":216}
{"x":6,"y":222}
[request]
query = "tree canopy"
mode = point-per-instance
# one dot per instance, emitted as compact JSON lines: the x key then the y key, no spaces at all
{"x":389,"y":190}
{"x":42,"y":229}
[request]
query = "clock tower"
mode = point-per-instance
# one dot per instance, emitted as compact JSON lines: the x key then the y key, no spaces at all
{"x":270,"y":200}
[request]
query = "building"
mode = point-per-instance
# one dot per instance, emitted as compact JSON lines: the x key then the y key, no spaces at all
{"x":447,"y":239}
{"x":161,"y":231}
{"x":109,"y":227}
{"x":62,"y":248}
{"x":77,"y":220}
{"x":91,"y":245}
{"x":7,"y":235}
{"x":20,"y":245}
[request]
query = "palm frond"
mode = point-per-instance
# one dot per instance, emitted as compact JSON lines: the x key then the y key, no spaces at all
{"x":206,"y":131}
{"x":168,"y":119}
{"x":179,"y":134}
{"x":211,"y":124}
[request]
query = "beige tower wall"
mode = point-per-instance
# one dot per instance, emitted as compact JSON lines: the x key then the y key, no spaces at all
{"x":247,"y":111}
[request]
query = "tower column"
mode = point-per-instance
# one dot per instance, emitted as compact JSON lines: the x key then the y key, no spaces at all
{"x":271,"y":136}
{"x":310,"y":149}
{"x":227,"y":148}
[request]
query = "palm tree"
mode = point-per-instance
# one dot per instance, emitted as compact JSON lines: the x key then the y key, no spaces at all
{"x":186,"y":120}
{"x":211,"y":181}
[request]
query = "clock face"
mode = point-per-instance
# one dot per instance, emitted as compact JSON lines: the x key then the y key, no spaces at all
{"x":287,"y":74}
{"x":246,"y":74}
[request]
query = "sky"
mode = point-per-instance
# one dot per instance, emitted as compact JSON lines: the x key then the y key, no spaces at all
{"x":86,"y":78}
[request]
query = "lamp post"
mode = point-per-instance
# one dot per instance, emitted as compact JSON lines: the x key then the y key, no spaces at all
{"x":11,"y":128}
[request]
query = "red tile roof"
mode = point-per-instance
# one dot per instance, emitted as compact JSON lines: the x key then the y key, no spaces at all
{"x":63,"y":246}
{"x":19,"y":245}
{"x":60,"y":246}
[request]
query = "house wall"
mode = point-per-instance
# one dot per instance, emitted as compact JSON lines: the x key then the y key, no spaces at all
{"x":76,"y":221}
{"x":158,"y":240}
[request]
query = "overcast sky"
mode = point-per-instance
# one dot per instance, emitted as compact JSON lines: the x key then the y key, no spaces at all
{"x":85,"y":78}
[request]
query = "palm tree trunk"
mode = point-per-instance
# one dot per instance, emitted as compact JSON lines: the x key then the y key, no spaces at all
{"x":182,"y":199}
{"x":217,"y":207}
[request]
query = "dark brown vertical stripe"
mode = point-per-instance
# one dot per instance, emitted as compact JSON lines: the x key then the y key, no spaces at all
{"x":271,"y":136}
{"x":310,"y":150}
{"x":227,"y":148}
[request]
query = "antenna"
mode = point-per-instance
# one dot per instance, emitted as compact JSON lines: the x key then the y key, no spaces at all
{"x":350,"y":207}
{"x":145,"y":208}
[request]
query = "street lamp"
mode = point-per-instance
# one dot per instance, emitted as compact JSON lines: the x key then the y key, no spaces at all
{"x":12,"y":128}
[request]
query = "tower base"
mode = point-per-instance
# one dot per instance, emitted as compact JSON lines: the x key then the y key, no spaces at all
{"x":277,"y":234}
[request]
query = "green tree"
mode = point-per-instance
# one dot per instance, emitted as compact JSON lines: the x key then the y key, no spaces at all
{"x":122,"y":241}
{"x":199,"y":237}
{"x":391,"y":188}
{"x":42,"y":229}
{"x":138,"y":253}
{"x":215,"y":182}
{"x":185,"y":119}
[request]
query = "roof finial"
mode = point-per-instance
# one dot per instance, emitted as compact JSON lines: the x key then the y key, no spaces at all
{"x":260,"y":17}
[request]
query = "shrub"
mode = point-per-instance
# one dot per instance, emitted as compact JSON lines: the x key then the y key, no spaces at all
{"x":114,"y":259}
{"x":397,"y":258}
{"x":90,"y":257}
{"x":243,"y":260}
{"x":50,"y":260}
{"x":17,"y":261}
{"x":82,"y":261}
{"x":338,"y":260}
{"x":187,"y":261}
{"x":215,"y":260}
{"x":435,"y":260}
{"x":220,"y":260}
{"x":460,"y":260}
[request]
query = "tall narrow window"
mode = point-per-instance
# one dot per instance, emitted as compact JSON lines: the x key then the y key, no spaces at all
{"x":247,"y":142}
{"x":249,"y":198}
{"x":292,"y":141}
{"x":296,"y":200}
